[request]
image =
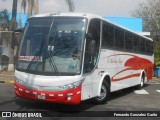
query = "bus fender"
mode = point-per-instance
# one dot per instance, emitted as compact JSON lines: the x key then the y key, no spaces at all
{"x":101,"y":81}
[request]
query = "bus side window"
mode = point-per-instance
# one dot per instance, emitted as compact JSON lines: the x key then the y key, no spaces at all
{"x":148,"y":47}
{"x":128,"y":40}
{"x":135,"y":46}
{"x":151,"y":50}
{"x":142,"y":44}
{"x":119,"y":38}
{"x":107,"y":35}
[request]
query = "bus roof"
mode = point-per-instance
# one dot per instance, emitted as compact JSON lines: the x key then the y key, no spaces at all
{"x":89,"y":16}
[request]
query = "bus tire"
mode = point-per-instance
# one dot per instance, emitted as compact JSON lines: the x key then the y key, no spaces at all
{"x":141,"y":85}
{"x":104,"y":94}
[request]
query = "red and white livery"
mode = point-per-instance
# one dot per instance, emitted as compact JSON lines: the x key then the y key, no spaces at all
{"x":70,"y":57}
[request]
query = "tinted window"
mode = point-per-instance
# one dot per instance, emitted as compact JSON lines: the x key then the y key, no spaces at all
{"x":128,"y":40}
{"x":151,"y":50}
{"x":142,"y":45}
{"x":148,"y":47}
{"x":119,"y":37}
{"x":135,"y":43}
{"x":107,"y":35}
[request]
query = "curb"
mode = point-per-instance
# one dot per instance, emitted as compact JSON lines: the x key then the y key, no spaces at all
{"x":7,"y":81}
{"x":155,"y":78}
{"x":7,"y":75}
{"x":2,"y":82}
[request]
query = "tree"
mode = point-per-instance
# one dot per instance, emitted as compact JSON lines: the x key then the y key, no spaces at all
{"x":4,"y":20}
{"x":32,"y":6}
{"x":70,"y":5}
{"x":157,"y":54}
{"x":14,"y":14}
{"x":150,"y":12}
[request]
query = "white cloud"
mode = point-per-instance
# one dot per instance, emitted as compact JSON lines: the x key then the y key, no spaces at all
{"x":51,"y":6}
{"x":100,"y":7}
{"x":5,"y":5}
{"x":107,"y":7}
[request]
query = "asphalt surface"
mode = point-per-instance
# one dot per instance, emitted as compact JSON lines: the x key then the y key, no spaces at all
{"x":7,"y":77}
{"x":131,"y":99}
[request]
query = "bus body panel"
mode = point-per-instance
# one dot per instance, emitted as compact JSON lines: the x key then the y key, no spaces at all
{"x":30,"y":86}
{"x":50,"y":81}
{"x":90,"y":85}
{"x":123,"y":72}
{"x":71,"y":96}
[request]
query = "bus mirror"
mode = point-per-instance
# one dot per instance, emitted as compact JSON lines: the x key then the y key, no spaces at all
{"x":92,"y":43}
{"x":89,"y":36}
{"x":92,"y":47}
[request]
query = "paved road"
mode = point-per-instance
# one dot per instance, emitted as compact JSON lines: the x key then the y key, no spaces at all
{"x":147,"y":99}
{"x":130,"y":99}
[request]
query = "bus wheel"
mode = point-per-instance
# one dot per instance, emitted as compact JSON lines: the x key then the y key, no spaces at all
{"x":104,"y":94}
{"x":141,"y":85}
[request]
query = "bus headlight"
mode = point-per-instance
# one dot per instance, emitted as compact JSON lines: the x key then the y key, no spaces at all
{"x":71,"y":85}
{"x":19,"y":81}
{"x":77,"y":83}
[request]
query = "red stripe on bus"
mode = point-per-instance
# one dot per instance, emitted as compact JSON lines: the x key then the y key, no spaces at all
{"x":127,"y":77}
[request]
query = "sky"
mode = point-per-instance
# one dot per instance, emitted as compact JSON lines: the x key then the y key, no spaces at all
{"x":112,"y":8}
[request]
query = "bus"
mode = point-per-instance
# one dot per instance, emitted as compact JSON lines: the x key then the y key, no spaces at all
{"x":67,"y":58}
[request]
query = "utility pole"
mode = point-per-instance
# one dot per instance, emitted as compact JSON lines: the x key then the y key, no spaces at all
{"x":14,"y":14}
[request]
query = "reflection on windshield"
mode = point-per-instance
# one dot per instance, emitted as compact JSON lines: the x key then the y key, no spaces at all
{"x":52,"y":45}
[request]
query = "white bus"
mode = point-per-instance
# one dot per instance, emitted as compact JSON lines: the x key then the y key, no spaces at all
{"x":70,"y":57}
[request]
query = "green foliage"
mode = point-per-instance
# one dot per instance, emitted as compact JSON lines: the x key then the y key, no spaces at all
{"x":157,"y":54}
{"x":4,"y":20}
{"x":149,"y":10}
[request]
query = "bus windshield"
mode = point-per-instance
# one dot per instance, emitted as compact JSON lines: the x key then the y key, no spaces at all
{"x":52,"y":45}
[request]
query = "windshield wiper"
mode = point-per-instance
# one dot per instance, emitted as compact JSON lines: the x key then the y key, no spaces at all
{"x":37,"y":52}
{"x":49,"y":48}
{"x":50,"y":53}
{"x":47,"y":52}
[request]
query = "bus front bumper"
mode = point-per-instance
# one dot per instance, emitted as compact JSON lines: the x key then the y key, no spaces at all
{"x":70,"y":96}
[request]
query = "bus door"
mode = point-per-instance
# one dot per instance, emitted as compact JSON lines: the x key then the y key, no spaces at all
{"x":92,"y":50}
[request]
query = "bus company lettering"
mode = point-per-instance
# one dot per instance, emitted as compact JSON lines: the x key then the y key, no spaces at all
{"x":133,"y":63}
{"x":30,"y":58}
{"x":114,"y":60}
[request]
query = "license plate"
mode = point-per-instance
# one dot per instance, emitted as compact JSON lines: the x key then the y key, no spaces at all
{"x":42,"y":97}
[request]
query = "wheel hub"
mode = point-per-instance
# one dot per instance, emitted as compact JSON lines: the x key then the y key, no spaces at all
{"x":103,"y":93}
